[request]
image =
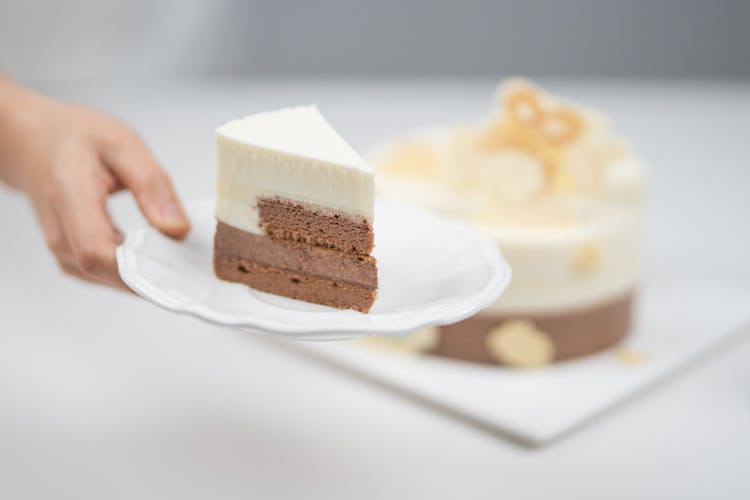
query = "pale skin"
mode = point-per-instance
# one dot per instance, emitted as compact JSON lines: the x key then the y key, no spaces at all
{"x":68,"y":160}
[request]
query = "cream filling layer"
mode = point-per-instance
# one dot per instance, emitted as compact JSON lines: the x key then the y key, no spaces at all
{"x":246,"y":172}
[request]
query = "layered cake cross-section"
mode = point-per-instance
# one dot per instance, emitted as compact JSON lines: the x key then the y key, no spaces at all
{"x":294,"y":210}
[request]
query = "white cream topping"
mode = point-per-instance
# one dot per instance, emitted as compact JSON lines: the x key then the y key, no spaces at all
{"x":568,"y":250}
{"x":589,"y":262}
{"x":293,"y":153}
{"x":592,"y":256}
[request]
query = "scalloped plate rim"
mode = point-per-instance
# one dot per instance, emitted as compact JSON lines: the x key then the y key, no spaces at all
{"x":400,"y":321}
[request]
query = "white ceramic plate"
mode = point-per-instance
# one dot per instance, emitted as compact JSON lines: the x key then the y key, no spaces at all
{"x":431,"y":271}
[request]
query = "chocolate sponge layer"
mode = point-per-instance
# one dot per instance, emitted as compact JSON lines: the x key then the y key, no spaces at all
{"x":296,"y":257}
{"x":286,"y":220}
{"x":304,"y":252}
{"x":329,"y":292}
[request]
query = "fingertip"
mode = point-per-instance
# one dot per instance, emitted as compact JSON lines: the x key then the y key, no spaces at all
{"x":176,"y":232}
{"x":172,"y":220}
{"x":122,"y":287}
{"x":118,"y":237}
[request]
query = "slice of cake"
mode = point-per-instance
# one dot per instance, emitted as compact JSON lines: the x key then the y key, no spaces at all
{"x":294,"y":210}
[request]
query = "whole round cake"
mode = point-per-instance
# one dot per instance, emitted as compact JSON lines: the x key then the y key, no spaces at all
{"x":562,"y":196}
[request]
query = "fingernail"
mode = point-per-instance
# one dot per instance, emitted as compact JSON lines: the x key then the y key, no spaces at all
{"x":173,"y":214}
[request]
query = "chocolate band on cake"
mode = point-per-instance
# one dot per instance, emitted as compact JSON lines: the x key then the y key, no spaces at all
{"x":525,"y":341}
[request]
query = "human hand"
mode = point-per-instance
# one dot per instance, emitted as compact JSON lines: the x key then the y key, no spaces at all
{"x":68,"y":159}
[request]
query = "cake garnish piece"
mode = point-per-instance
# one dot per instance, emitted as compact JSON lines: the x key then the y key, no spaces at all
{"x":587,"y":257}
{"x":521,"y":344}
{"x":630,"y":357}
{"x":413,"y":159}
{"x":522,"y":162}
{"x":416,"y":342}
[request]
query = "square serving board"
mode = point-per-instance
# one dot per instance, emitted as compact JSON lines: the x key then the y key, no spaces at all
{"x":676,"y":320}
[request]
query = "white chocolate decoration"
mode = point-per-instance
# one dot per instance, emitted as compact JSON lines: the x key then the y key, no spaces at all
{"x":293,"y":153}
{"x":629,"y":356}
{"x":416,"y":342}
{"x":521,"y":344}
{"x":516,"y":176}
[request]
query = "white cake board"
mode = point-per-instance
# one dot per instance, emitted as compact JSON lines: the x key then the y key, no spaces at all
{"x":676,"y":320}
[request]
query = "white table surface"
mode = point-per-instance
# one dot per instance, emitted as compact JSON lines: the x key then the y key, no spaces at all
{"x":103,"y":395}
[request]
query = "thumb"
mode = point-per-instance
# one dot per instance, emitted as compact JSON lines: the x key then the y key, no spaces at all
{"x":138,"y":171}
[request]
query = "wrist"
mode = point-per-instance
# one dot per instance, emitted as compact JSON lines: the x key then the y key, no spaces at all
{"x":21,"y":114}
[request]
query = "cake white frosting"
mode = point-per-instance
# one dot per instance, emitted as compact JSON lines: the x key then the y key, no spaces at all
{"x":293,"y":153}
{"x":559,"y":192}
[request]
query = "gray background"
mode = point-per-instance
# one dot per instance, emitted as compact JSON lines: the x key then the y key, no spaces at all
{"x":88,"y":39}
{"x":106,"y":396}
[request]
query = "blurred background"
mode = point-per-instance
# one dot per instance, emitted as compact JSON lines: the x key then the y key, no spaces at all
{"x":106,"y":396}
{"x":85,"y":39}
